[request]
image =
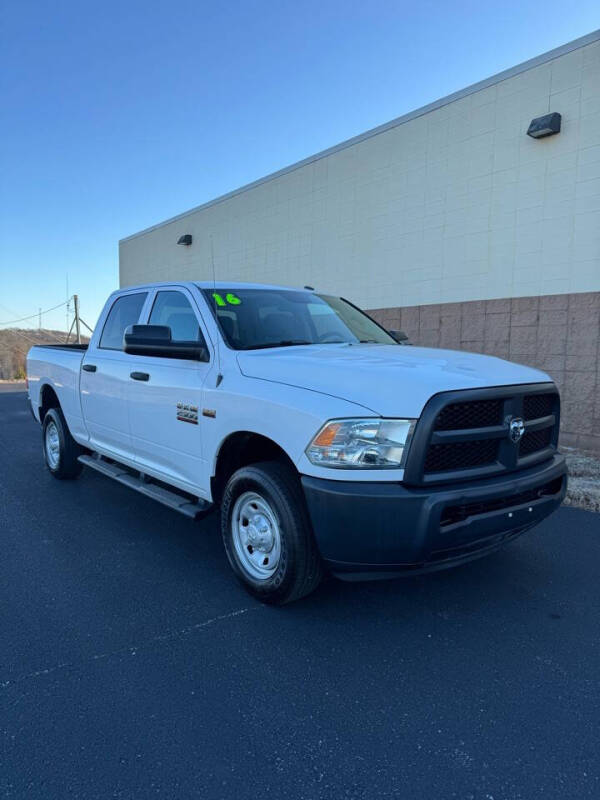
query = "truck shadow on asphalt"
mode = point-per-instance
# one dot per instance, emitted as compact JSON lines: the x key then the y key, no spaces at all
{"x":514,"y":578}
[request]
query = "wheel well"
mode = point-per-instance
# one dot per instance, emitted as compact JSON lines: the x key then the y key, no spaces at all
{"x":48,"y":400}
{"x":239,"y":450}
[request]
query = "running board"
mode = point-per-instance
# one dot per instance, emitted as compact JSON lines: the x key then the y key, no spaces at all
{"x":172,"y":499}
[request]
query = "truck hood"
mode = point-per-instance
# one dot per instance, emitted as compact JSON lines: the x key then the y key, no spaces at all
{"x":388,"y":380}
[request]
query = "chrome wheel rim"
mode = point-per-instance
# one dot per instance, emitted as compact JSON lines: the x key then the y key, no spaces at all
{"x":256,"y":536}
{"x":52,"y":445}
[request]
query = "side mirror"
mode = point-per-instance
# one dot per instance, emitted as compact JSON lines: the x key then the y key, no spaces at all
{"x":399,"y":336}
{"x":155,"y":340}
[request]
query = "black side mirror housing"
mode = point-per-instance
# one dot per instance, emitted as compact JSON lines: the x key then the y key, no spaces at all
{"x":399,"y":336}
{"x":155,"y":340}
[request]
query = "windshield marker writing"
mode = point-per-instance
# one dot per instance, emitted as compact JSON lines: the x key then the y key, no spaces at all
{"x":231,"y":298}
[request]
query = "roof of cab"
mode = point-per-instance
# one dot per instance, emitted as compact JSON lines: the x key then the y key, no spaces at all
{"x":212,"y":285}
{"x":242,"y":285}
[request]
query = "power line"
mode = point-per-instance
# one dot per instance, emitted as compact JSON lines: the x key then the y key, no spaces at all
{"x":33,"y":316}
{"x":8,"y":310}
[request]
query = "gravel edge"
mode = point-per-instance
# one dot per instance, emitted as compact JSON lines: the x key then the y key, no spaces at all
{"x":584,"y":480}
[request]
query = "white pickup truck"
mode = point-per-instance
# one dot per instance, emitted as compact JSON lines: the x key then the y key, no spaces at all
{"x":326,"y":442}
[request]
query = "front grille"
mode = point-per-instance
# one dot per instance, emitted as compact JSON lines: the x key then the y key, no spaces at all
{"x":453,"y":514}
{"x":476,"y":414}
{"x":461,"y":455}
{"x":536,"y":406}
{"x":534,"y":441}
{"x":465,"y":434}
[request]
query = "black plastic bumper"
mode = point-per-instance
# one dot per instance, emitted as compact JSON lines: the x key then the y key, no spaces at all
{"x":380,"y":529}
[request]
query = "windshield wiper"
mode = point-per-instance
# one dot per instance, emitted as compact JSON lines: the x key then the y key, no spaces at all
{"x":283,"y":343}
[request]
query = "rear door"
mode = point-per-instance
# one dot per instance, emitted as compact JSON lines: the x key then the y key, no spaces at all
{"x":165,"y":408}
{"x":104,"y":382}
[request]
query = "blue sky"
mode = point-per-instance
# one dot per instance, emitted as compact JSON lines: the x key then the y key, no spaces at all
{"x":117,"y":115}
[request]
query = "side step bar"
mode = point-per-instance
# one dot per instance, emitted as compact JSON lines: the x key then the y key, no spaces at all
{"x":170,"y":498}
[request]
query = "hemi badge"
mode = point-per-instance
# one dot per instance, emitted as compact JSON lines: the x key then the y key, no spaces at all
{"x":209,"y":412}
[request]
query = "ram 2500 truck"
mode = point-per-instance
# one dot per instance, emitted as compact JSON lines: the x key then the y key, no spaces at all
{"x":326,"y":443}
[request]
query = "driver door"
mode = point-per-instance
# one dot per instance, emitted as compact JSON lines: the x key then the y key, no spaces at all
{"x":166,"y":407}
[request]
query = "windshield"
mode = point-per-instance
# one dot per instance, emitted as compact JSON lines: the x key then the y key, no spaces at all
{"x":257,"y":318}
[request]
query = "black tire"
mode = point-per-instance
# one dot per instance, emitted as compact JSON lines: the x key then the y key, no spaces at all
{"x":67,"y":467}
{"x":300,"y":569}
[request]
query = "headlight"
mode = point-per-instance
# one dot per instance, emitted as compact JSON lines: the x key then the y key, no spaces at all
{"x":362,"y":443}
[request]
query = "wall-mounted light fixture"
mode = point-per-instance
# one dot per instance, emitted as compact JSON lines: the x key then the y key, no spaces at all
{"x":185,"y":239}
{"x":547,"y":125}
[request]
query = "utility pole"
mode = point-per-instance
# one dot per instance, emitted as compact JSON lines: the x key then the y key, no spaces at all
{"x":39,"y":319}
{"x":77,"y":326}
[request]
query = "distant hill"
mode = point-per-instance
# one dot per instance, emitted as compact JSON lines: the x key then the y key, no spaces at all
{"x":15,"y":342}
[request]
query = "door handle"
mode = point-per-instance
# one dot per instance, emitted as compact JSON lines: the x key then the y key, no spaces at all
{"x":139,"y":376}
{"x":90,"y":367}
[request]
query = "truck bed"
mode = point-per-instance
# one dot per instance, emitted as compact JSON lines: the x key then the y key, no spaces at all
{"x":57,"y":366}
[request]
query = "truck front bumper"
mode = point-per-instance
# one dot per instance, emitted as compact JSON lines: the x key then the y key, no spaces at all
{"x":369,"y":530}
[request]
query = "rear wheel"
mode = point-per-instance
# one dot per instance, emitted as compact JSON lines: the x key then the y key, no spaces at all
{"x":267,"y":533}
{"x":60,"y":449}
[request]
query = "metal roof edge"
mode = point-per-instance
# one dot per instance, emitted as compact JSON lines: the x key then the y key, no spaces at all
{"x":531,"y":63}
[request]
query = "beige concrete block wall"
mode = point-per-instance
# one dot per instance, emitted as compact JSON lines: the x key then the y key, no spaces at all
{"x":559,"y":334}
{"x":449,"y":205}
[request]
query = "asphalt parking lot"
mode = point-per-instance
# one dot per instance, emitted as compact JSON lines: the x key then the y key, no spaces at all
{"x":133,"y":665}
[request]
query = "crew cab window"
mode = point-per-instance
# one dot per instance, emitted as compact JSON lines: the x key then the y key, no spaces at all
{"x":125,"y":311}
{"x":175,"y":310}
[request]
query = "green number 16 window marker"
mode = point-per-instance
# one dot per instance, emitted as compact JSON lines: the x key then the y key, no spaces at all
{"x":230,"y":298}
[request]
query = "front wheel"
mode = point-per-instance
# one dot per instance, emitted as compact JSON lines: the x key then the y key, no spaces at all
{"x":60,"y":449}
{"x":267,"y":533}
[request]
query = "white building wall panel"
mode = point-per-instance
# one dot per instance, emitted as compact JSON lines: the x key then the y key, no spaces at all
{"x":453,"y":204}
